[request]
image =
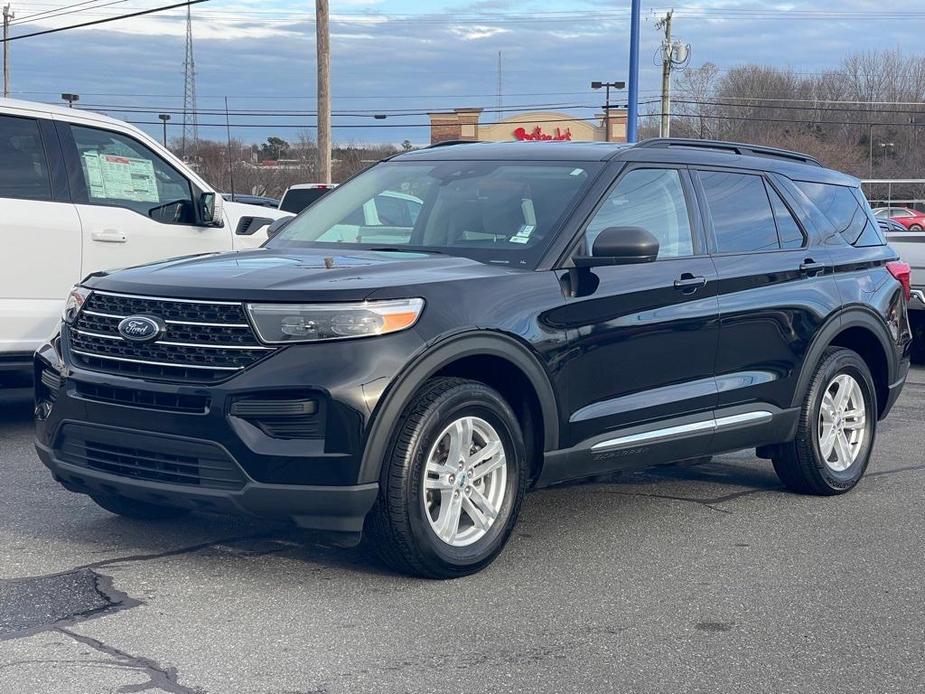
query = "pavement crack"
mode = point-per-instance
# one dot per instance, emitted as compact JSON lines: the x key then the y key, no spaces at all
{"x":159,"y":676}
{"x":706,"y":503}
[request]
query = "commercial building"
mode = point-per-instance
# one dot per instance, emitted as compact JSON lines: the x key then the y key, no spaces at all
{"x":464,"y":124}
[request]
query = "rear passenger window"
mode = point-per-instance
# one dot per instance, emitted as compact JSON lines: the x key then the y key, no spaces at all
{"x":791,"y":236}
{"x":839,"y":206}
{"x":23,"y":170}
{"x":742,"y":217}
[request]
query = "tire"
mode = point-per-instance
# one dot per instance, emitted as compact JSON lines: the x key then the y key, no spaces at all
{"x":138,"y":510}
{"x":915,"y":227}
{"x":802,"y":465}
{"x":404,"y":526}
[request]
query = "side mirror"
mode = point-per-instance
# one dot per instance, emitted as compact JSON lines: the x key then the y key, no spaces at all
{"x":211,"y":209}
{"x":621,"y":246}
{"x":248,"y":226}
{"x":277,"y":226}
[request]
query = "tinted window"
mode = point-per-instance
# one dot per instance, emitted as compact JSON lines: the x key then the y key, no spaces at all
{"x":297,"y":199}
{"x":23,"y":171}
{"x":652,"y":199}
{"x":741,"y":212}
{"x":839,"y":206}
{"x":791,"y":236}
{"x":122,"y":172}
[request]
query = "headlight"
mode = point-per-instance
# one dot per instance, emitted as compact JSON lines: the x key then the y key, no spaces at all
{"x":281,"y":323}
{"x":75,"y":301}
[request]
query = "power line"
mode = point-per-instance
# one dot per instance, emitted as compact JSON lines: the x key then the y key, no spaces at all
{"x":163,"y":8}
{"x":59,"y":11}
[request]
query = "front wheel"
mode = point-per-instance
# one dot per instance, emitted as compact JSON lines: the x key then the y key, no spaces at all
{"x":453,"y":483}
{"x":915,"y":227}
{"x":837,"y":426}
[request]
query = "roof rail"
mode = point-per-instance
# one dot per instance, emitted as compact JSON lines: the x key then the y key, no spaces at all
{"x":731,"y":147}
{"x":447,"y":143}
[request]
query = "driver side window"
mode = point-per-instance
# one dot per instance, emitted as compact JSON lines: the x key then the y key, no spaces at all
{"x":121,"y":172}
{"x":652,"y":199}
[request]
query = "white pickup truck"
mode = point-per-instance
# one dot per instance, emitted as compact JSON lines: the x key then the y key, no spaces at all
{"x":81,"y":192}
{"x":911,"y":248}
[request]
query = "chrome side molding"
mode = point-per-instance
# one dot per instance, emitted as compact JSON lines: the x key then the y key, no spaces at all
{"x":706,"y":425}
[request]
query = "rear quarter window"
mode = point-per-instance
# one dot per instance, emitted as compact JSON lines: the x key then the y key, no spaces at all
{"x":846,"y":209}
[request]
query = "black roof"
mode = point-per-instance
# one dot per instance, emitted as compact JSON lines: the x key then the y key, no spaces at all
{"x":668,"y":150}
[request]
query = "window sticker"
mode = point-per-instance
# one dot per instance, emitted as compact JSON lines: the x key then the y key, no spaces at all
{"x":115,"y":177}
{"x":523,"y":235}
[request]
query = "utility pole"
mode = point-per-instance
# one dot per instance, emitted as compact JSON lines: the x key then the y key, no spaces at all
{"x":7,"y":18}
{"x":190,"y":115}
{"x":500,"y":87}
{"x":667,"y":50}
{"x":323,"y":49}
{"x":164,"y":118}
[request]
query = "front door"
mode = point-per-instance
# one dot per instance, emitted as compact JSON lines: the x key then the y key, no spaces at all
{"x":643,"y":337}
{"x":135,"y":207}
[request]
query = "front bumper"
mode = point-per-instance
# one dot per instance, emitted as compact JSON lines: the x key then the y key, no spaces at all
{"x":211,"y":459}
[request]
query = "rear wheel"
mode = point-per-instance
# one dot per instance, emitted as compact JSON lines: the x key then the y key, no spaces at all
{"x":452,"y":486}
{"x":139,"y":510}
{"x":915,"y":227}
{"x":838,"y":423}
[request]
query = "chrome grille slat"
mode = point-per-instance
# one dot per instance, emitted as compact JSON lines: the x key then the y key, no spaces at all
{"x":204,"y":340}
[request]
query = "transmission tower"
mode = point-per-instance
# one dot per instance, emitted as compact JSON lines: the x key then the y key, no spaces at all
{"x":190,"y":122}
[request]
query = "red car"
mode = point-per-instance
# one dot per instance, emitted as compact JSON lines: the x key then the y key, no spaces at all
{"x":913,"y":220}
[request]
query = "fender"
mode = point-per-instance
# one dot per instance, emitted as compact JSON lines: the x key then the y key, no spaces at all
{"x":471,"y":343}
{"x":849,"y":317}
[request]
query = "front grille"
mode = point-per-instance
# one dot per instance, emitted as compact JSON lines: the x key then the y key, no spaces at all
{"x":166,"y":402}
{"x":204,"y":341}
{"x":156,"y":459}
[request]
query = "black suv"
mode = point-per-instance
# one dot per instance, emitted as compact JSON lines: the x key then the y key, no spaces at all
{"x":534,"y":313}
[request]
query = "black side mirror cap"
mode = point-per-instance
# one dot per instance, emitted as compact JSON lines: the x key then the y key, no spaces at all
{"x":620,"y":246}
{"x":248,"y":226}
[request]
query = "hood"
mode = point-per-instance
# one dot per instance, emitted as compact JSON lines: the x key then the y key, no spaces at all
{"x":294,"y":275}
{"x":235,"y":210}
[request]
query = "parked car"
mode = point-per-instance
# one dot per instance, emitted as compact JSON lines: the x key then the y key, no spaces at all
{"x":298,"y":197}
{"x":911,"y":248}
{"x":910,"y":219}
{"x":258,"y":200}
{"x":889,"y":226}
{"x":80,"y":193}
{"x":554,"y":312}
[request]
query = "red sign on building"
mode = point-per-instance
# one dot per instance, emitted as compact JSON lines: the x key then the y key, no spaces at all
{"x":538,"y":134}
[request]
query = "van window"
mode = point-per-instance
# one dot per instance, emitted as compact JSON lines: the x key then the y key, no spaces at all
{"x":122,"y":172}
{"x":23,"y":169}
{"x":741,"y":211}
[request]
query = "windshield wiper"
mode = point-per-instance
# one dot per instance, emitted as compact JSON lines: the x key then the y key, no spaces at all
{"x":397,"y":249}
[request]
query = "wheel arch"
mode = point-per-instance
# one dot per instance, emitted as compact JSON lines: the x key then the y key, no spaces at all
{"x":862,"y":331}
{"x":512,"y":366}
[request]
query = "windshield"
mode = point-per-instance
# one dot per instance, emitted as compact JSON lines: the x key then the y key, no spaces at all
{"x":498,"y":212}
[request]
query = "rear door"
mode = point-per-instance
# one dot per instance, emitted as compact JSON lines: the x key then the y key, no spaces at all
{"x":134,"y":206}
{"x":775,"y":290}
{"x":40,"y":229}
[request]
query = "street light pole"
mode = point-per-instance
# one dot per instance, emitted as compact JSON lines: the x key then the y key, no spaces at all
{"x":164,"y":118}
{"x":632,"y":115}
{"x":607,"y":86}
{"x":70,"y":99}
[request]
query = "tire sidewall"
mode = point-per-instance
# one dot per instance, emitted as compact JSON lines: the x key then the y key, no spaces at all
{"x":476,"y":401}
{"x":845,"y":362}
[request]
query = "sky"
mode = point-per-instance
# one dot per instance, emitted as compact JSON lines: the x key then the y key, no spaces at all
{"x":403,"y":58}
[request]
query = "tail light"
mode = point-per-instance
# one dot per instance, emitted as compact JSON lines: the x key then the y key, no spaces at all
{"x":903,"y":273}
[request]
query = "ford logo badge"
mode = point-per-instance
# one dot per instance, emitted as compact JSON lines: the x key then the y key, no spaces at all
{"x":141,"y":328}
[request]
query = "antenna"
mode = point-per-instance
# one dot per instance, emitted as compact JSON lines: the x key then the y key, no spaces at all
{"x":190,"y":122}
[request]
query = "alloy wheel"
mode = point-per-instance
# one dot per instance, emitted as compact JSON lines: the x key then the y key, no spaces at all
{"x":465,"y":481}
{"x":842,"y":422}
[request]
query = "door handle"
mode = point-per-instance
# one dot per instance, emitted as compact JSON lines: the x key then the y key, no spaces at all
{"x":109,"y":236}
{"x":811,"y":267}
{"x":689,"y":284}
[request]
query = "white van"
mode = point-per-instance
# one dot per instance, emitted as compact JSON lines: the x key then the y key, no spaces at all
{"x":80,"y":193}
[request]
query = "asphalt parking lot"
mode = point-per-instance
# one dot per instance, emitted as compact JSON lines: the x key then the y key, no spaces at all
{"x":704,"y":578}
